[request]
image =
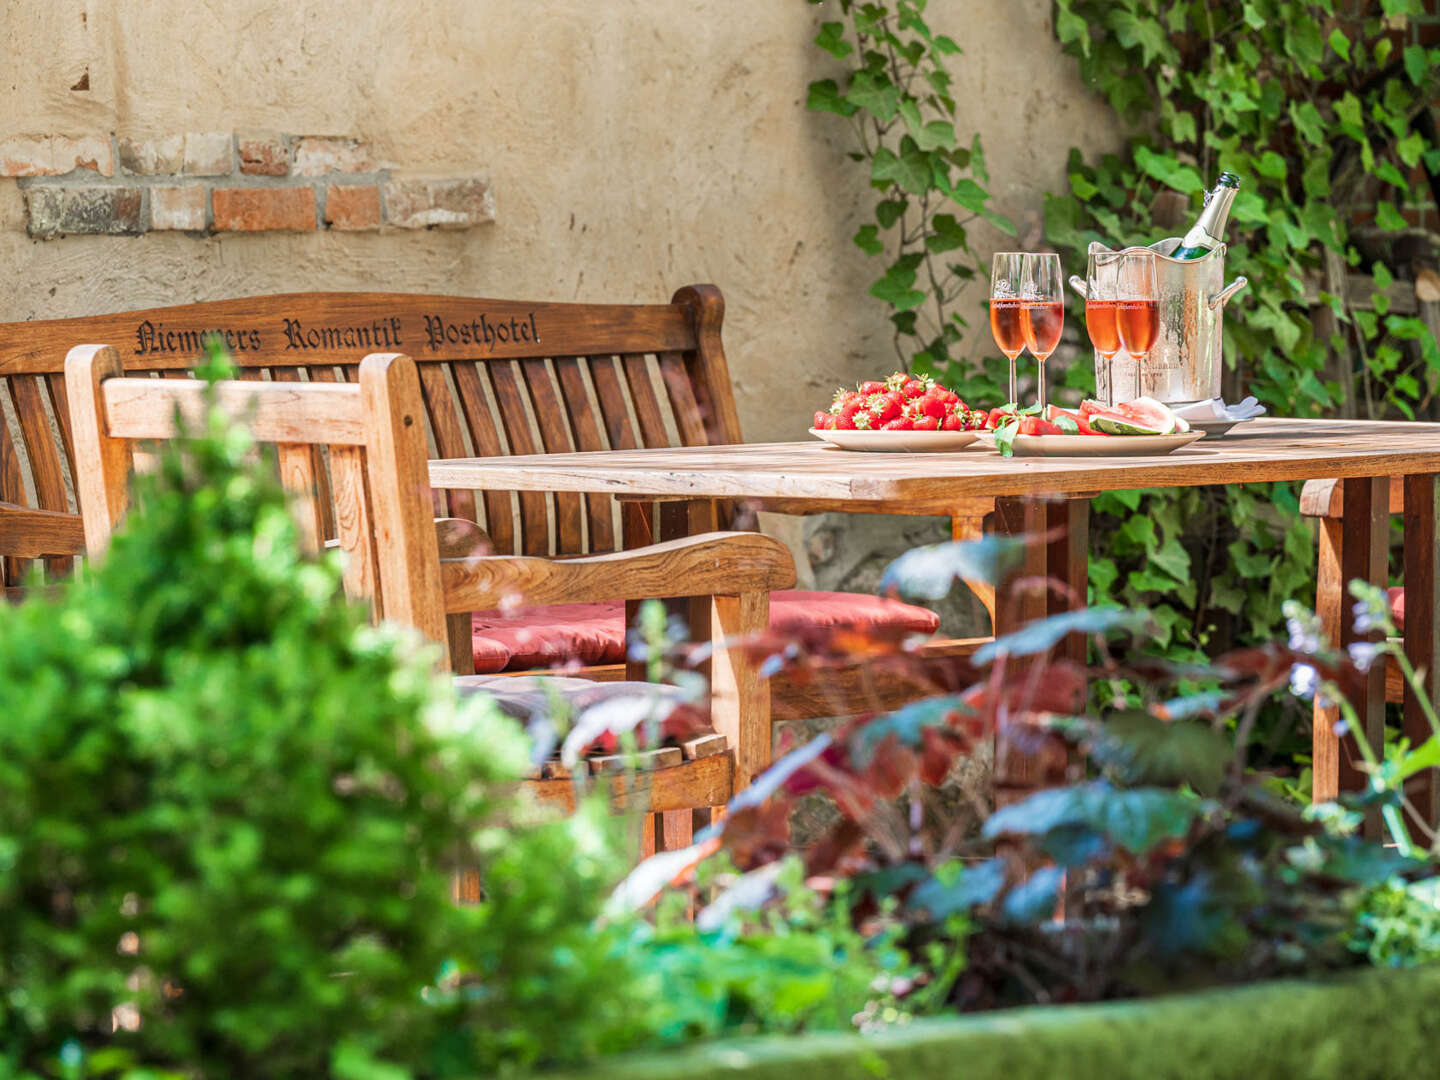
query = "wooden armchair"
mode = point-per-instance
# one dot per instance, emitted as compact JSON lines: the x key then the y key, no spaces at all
{"x":373,"y":476}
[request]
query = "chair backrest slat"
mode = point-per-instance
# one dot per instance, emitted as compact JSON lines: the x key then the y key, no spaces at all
{"x":274,"y":411}
{"x":497,"y":377}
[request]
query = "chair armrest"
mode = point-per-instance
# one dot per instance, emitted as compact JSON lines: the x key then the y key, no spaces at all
{"x":1326,"y":498}
{"x":723,"y":564}
{"x":27,"y":533}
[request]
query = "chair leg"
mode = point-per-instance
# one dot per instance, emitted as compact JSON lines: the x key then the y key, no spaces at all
{"x":1329,"y":606}
{"x":739,"y":697}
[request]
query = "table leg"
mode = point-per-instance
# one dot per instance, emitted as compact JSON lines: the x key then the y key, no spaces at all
{"x":1422,"y":628}
{"x":1068,"y":562}
{"x":1017,"y":772}
{"x":1363,"y":540}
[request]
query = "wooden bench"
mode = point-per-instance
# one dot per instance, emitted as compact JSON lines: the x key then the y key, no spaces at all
{"x":497,"y":377}
{"x":377,"y":461}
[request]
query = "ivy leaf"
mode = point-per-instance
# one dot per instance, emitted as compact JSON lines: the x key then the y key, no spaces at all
{"x":1410,"y":148}
{"x":1340,"y":43}
{"x":1136,"y":819}
{"x":1417,"y":63}
{"x":889,"y":212}
{"x":947,"y":234}
{"x":832,"y":39}
{"x":867,"y":240}
{"x":1389,"y":218}
{"x":1347,"y":111}
{"x":1271,"y":165}
{"x":875,"y":93}
{"x":1132,"y":30}
{"x":935,"y":135}
{"x":896,"y":289}
{"x":969,"y":194}
{"x":825,"y":97}
{"x":910,"y":171}
{"x":945,"y":46}
{"x":1070,"y":28}
{"x":1391,"y":175}
{"x":1308,"y":122}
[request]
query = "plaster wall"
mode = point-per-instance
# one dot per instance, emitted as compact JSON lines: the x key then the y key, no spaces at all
{"x":633,"y":145}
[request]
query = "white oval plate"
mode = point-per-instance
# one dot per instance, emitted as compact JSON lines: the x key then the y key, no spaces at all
{"x":1096,"y":445}
{"x":898,"y":442}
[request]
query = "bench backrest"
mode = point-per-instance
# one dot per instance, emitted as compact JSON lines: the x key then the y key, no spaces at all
{"x":497,"y":377}
{"x":370,"y":430}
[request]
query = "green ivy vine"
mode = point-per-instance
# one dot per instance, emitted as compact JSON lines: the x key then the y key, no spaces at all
{"x":1319,"y":108}
{"x":896,"y":95}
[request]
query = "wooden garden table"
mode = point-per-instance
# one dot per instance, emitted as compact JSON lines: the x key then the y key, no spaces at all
{"x":1047,"y":496}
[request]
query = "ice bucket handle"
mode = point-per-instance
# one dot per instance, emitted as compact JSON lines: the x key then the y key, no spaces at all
{"x":1230,"y":290}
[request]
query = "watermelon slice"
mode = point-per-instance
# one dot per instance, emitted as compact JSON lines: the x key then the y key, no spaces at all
{"x":1143,"y":416}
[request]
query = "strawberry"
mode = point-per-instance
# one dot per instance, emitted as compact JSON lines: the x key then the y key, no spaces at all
{"x":900,"y":423}
{"x":849,"y":407}
{"x":955,"y":421}
{"x":822,"y":421}
{"x":931,"y":405}
{"x":864,"y":420}
{"x":886,"y":406}
{"x":914,"y":388}
{"x":870,"y":386}
{"x":927,"y":423}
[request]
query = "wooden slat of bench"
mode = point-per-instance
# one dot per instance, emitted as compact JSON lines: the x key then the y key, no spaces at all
{"x":647,"y":405}
{"x":135,"y":410}
{"x":12,"y":490}
{"x":352,"y":525}
{"x":499,"y":519}
{"x":555,"y":437}
{"x":28,"y":533}
{"x":449,"y":438}
{"x":510,"y":400}
{"x":688,"y":418}
{"x":45,"y":468}
{"x":614,"y":409}
{"x":599,"y":508}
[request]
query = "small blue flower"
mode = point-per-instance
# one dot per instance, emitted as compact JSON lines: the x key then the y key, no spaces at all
{"x":1304,"y":680}
{"x":1362,"y":654}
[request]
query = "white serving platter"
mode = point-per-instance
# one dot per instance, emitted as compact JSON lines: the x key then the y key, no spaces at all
{"x":898,"y":442}
{"x":1096,"y":445}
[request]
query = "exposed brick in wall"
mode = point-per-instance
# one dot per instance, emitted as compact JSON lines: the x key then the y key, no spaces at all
{"x":215,"y":182}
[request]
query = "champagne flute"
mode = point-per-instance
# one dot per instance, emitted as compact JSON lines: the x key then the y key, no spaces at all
{"x":1007,"y":278}
{"x":1102,"y":283}
{"x":1137,"y":308}
{"x":1043,"y":311}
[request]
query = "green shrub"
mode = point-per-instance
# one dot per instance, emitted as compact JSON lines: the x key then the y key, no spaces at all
{"x":228,"y":806}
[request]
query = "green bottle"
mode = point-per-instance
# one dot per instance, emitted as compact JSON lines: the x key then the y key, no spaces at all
{"x":1204,"y":236}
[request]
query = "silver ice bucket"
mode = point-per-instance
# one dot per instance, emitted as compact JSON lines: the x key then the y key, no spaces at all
{"x":1186,"y":362}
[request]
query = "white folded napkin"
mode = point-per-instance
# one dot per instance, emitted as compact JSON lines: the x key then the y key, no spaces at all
{"x":1215,"y":409}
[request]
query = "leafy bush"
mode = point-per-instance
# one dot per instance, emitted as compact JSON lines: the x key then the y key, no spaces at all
{"x":229,"y":808}
{"x":1157,"y":861}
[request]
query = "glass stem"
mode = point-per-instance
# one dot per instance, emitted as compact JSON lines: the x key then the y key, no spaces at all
{"x":1040,"y":384}
{"x":1014,"y":382}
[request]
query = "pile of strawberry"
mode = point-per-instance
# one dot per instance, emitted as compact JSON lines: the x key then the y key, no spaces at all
{"x":900,"y":403}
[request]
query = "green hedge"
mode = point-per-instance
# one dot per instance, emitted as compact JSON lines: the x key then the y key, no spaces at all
{"x":1372,"y":1024}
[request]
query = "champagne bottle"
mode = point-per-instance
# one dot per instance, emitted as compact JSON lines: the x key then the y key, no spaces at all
{"x":1204,"y":236}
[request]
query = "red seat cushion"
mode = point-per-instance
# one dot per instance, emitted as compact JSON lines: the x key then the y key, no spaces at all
{"x":1397,"y":604}
{"x":595,"y":633}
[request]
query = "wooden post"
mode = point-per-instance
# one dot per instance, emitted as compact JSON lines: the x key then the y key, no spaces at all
{"x":1332,"y":609}
{"x":1422,"y":627}
{"x":1364,"y":540}
{"x":102,"y":487}
{"x":739,"y":698}
{"x":1016,"y":772}
{"x":1068,"y":562}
